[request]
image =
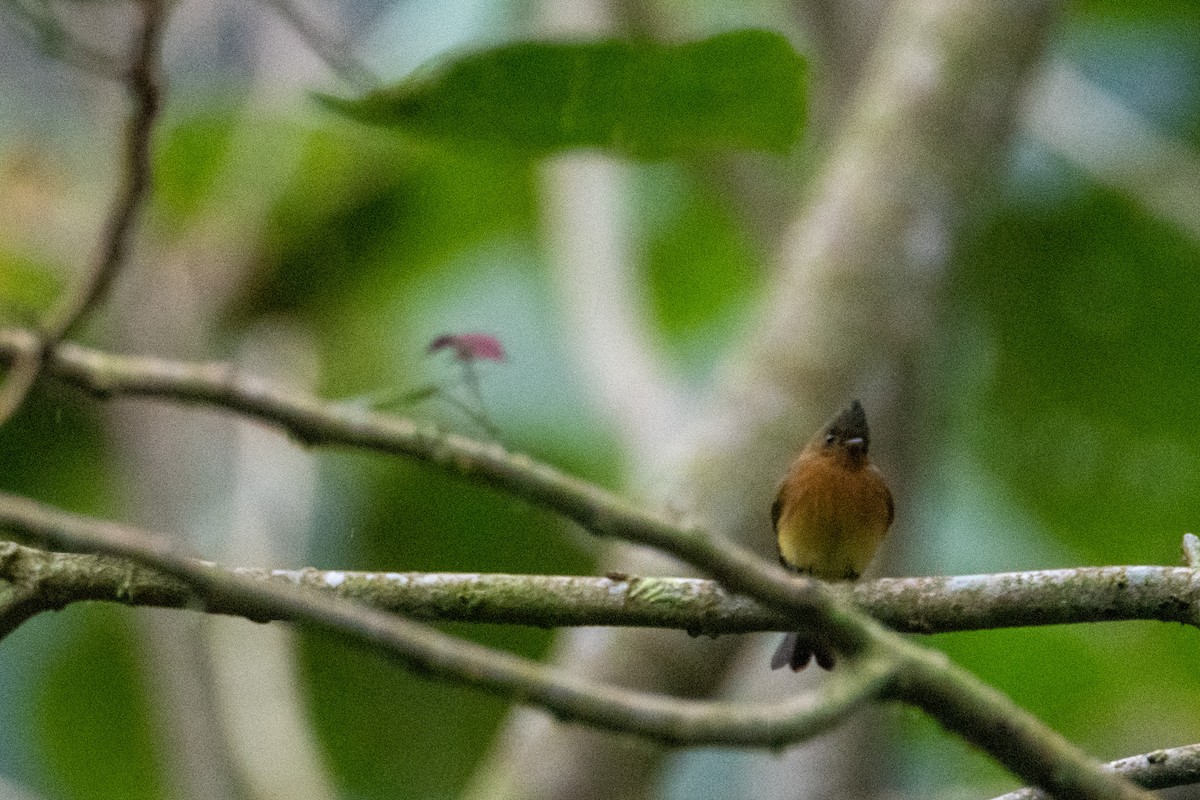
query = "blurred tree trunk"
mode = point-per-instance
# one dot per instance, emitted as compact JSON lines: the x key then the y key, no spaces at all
{"x":165,"y":453}
{"x":849,"y":313}
{"x":168,"y":452}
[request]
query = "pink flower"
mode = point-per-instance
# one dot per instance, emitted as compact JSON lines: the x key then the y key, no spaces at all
{"x":470,"y":346}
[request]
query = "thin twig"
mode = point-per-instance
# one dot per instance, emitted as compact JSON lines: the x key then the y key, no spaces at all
{"x":143,"y":83}
{"x":333,"y":50}
{"x":1191,"y":550}
{"x":53,"y":40}
{"x":479,"y":415}
{"x":665,"y":719}
{"x":395,"y":398}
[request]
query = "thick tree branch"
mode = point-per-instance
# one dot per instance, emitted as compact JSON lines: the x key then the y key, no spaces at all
{"x":1042,"y":597}
{"x":42,"y":580}
{"x":665,"y":719}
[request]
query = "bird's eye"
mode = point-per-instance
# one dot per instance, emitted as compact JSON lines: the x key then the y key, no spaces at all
{"x":829,"y":437}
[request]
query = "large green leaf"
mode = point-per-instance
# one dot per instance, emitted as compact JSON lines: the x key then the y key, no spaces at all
{"x":741,"y":90}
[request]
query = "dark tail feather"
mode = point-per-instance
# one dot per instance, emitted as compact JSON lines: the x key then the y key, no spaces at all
{"x":796,"y":652}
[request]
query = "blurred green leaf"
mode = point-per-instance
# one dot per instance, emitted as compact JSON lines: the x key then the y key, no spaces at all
{"x":27,"y":287}
{"x":1087,"y":409}
{"x":366,"y":215}
{"x":187,"y":162}
{"x":96,"y":722}
{"x":1126,"y":12}
{"x":390,"y":734}
{"x":742,"y":89}
{"x":63,"y":428}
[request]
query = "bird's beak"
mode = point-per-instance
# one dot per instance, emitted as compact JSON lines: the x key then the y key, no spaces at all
{"x":857,"y":441}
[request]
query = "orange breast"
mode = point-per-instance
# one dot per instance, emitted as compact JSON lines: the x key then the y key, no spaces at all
{"x":831,"y":519}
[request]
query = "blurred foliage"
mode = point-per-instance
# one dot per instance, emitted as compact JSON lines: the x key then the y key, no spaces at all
{"x":54,"y":450}
{"x":702,"y":270}
{"x":1087,"y":416}
{"x":94,"y":723}
{"x":390,"y":734}
{"x":741,"y":89}
{"x":365,"y":215}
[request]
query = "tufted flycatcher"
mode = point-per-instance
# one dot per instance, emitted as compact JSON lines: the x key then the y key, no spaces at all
{"x":830,"y":517}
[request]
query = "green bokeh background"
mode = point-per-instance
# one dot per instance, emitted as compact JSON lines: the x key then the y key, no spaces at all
{"x":1063,"y":384}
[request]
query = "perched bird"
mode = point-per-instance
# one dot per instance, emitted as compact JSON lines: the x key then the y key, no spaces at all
{"x":830,"y":517}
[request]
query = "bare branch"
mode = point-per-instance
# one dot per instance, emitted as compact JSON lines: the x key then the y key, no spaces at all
{"x":143,"y":83}
{"x":961,"y":702}
{"x":313,"y":421}
{"x":701,"y":607}
{"x":1160,"y":769}
{"x":665,"y":719}
{"x":1043,"y":597}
